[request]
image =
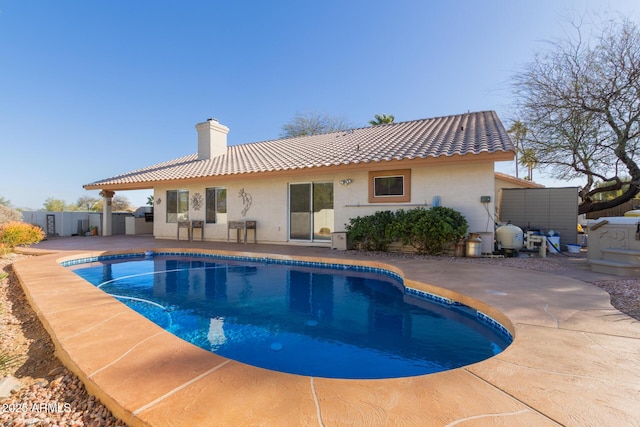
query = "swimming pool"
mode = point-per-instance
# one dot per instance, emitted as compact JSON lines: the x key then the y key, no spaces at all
{"x":300,"y":317}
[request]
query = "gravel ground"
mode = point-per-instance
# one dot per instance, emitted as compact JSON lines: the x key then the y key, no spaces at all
{"x":53,"y":396}
{"x":50,"y":394}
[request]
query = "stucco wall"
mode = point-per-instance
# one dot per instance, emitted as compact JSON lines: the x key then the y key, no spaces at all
{"x":268,"y":208}
{"x":458,"y":186}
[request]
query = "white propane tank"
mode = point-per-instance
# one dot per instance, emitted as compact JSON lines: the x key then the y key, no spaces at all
{"x":510,"y":237}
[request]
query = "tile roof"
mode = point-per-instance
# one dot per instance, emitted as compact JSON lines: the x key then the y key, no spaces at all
{"x":518,"y":181}
{"x":463,"y":134}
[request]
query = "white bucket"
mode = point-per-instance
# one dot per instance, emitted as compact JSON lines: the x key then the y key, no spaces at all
{"x":574,"y":249}
{"x":555,"y":242}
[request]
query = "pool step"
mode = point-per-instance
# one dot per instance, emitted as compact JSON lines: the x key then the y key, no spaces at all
{"x":615,"y":267}
{"x":629,"y":256}
{"x":617,"y":261}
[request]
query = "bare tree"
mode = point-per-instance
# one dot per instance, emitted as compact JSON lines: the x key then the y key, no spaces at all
{"x":87,"y":203}
{"x":313,"y":124}
{"x":8,"y":215}
{"x":580,"y":104}
{"x":119,"y":203}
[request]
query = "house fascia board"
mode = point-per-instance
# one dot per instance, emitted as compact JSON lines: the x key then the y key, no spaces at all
{"x":518,"y":181}
{"x":306,"y":171}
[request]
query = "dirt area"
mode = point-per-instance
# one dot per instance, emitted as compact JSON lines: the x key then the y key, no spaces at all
{"x":21,"y":331}
{"x":45,"y":381}
{"x":50,"y":395}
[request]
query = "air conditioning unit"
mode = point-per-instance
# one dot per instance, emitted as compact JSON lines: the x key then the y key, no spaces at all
{"x":339,"y":241}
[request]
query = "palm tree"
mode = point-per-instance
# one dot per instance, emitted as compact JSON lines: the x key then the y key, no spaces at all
{"x":382,"y":119}
{"x":530,"y":160}
{"x":518,"y":130}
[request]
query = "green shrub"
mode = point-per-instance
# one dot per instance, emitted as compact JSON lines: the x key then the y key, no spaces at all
{"x":370,"y":232}
{"x":427,"y":230}
{"x":16,"y":233}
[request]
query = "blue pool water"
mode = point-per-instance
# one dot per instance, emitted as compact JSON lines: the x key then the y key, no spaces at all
{"x":300,"y":319}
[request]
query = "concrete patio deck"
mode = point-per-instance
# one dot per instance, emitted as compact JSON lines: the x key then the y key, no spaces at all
{"x":574,"y":360}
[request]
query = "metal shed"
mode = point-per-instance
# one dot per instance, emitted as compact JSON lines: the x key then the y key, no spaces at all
{"x":543,"y":209}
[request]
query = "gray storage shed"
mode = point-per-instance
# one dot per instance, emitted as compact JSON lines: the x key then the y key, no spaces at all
{"x":543,"y":209}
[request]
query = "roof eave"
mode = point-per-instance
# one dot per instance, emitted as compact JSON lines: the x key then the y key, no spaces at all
{"x":518,"y":181}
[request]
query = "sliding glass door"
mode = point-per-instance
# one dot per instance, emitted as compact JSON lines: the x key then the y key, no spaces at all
{"x":311,"y":211}
{"x":300,"y":211}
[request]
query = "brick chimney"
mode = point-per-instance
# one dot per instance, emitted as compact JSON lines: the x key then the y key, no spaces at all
{"x":212,"y":139}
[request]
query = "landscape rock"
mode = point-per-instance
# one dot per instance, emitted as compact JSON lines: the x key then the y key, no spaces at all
{"x":8,"y":386}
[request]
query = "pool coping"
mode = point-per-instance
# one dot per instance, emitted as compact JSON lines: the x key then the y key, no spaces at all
{"x":148,"y":377}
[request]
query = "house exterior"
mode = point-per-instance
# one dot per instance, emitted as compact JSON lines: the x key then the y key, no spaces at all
{"x":300,"y":190}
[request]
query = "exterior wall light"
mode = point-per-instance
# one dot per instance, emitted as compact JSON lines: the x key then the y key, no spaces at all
{"x":346,"y":181}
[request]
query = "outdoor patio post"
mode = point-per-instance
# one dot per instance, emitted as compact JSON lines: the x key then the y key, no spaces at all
{"x":106,"y":211}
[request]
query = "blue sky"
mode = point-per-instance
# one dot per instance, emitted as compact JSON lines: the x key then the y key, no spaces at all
{"x":91,"y":89}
